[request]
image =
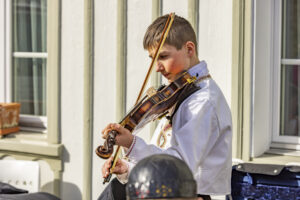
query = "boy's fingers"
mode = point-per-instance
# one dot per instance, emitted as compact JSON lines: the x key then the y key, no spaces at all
{"x":110,"y":127}
{"x":104,"y":172}
{"x":106,"y":167}
{"x":105,"y":134}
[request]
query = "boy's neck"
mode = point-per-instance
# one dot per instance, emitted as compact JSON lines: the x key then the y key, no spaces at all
{"x":194,"y":62}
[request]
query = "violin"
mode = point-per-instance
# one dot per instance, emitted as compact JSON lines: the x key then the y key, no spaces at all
{"x":155,"y":104}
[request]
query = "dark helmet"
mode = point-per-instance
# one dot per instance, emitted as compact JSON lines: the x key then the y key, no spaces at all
{"x":161,"y":176}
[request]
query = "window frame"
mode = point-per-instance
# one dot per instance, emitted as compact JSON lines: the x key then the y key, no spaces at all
{"x":279,"y":141}
{"x":262,"y":85}
{"x":266,"y":79}
{"x":27,"y":122}
{"x":29,"y":142}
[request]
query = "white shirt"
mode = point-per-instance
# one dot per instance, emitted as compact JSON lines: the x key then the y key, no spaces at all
{"x":201,"y":136}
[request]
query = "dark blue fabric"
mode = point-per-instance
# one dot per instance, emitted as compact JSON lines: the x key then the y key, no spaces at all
{"x":9,"y":192}
{"x":29,"y":196}
{"x":284,"y":186}
{"x":114,"y":191}
{"x":6,"y":188}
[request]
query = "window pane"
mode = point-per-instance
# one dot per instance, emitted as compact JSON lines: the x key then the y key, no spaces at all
{"x":29,"y":25}
{"x":29,"y":74}
{"x":291,"y":29}
{"x":290,"y":99}
{"x":29,"y":85}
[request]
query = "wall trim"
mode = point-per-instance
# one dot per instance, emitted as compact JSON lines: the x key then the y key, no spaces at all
{"x":193,"y":15}
{"x":121,"y":59}
{"x":53,"y":70}
{"x":242,"y":78}
{"x":88,"y":96}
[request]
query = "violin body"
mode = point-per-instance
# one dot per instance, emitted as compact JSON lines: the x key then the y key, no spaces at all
{"x":154,"y":105}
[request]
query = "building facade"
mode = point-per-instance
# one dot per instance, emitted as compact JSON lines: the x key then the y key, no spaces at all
{"x":77,"y":65}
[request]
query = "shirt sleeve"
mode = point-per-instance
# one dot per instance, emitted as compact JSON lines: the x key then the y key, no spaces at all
{"x":195,"y":130}
{"x":123,"y":178}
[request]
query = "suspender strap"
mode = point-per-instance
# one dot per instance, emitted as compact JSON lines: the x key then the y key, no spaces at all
{"x":187,"y":91}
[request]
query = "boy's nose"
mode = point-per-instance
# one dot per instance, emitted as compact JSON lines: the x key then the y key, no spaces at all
{"x":159,"y":67}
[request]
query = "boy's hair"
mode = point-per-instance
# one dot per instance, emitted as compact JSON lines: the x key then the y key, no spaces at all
{"x":180,"y":32}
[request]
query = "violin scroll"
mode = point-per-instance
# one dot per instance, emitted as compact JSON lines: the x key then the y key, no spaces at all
{"x":106,"y":150}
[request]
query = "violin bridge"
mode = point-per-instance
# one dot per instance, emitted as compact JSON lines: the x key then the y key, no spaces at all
{"x":151,"y":91}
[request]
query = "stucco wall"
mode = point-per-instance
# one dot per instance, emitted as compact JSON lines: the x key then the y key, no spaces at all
{"x":215,"y":42}
{"x":72,"y":97}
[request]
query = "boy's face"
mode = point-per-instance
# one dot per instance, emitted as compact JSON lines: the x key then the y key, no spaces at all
{"x":171,"y":62}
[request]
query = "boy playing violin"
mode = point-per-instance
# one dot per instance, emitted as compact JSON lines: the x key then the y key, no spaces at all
{"x":201,"y":130}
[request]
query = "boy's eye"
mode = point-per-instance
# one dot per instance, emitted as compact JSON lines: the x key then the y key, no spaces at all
{"x":163,"y":56}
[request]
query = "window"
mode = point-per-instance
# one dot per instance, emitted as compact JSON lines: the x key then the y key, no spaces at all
{"x":31,"y":74}
{"x":290,"y":69}
{"x":267,"y":53}
{"x":29,"y":60}
{"x":286,"y":134}
{"x":275,"y":77}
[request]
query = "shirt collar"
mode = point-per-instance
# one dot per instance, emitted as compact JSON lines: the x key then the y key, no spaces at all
{"x":199,"y":70}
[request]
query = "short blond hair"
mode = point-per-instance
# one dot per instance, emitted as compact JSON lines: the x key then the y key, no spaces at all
{"x":180,"y":32}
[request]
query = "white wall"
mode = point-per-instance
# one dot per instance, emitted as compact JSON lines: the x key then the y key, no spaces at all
{"x":215,"y":42}
{"x":104,"y":80}
{"x":72,"y":97}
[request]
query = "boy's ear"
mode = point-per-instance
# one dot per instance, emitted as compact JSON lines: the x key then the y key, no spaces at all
{"x":190,"y":46}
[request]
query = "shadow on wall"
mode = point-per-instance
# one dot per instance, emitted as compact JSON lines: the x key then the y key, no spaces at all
{"x":68,"y":190}
{"x":66,"y":155}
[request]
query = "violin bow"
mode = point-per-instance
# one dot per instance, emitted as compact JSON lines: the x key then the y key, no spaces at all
{"x":154,"y":59}
{"x":156,"y":54}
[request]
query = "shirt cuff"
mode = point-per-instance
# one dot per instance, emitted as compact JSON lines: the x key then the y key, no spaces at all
{"x":123,"y":178}
{"x":139,"y":150}
{"x":128,"y":151}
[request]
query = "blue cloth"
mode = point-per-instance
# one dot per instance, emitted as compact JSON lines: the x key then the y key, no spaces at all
{"x":284,"y":185}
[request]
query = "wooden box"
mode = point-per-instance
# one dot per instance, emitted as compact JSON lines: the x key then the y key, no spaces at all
{"x":9,"y":118}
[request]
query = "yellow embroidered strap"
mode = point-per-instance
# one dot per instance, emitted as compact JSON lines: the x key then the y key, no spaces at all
{"x":191,"y":80}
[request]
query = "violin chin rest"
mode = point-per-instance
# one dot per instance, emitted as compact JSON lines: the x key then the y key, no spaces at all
{"x":161,"y":87}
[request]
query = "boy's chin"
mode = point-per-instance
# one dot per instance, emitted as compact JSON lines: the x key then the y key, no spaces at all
{"x":170,"y":80}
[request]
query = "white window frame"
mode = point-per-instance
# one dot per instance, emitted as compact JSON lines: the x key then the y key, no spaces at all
{"x":278,"y":141}
{"x":41,"y":144}
{"x":266,"y":81}
{"x":27,"y":122}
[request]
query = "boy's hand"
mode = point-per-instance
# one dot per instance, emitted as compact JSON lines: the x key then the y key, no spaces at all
{"x":120,"y":168}
{"x":124,"y":137}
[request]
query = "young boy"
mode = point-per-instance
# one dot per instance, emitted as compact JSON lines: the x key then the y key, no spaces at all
{"x":201,"y":131}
